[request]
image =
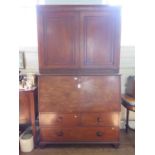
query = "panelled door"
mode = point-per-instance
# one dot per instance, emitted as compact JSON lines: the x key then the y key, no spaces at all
{"x":58,"y":39}
{"x":100,"y":40}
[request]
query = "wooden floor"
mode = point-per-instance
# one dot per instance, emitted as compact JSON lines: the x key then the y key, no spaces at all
{"x":127,"y":147}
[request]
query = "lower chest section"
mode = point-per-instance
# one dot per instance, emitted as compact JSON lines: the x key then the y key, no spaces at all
{"x":79,"y":108}
{"x":79,"y":127}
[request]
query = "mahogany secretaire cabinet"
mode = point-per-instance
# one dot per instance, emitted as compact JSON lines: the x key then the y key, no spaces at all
{"x":79,"y":85}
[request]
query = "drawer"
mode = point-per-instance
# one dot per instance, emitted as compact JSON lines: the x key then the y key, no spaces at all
{"x":55,"y":119}
{"x":79,"y":134}
{"x":100,"y":119}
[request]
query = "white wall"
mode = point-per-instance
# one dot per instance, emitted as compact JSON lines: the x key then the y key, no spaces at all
{"x":127,"y":68}
{"x":127,"y":63}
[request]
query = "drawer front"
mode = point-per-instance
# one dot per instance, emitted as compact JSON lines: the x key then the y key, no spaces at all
{"x":80,"y":134}
{"x":54,"y":119}
{"x":100,"y":119}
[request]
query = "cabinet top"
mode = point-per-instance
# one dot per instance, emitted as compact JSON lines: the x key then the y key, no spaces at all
{"x":76,"y":7}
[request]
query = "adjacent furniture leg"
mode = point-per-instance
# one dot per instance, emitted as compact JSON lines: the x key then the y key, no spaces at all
{"x":32,"y":113}
{"x":127,"y":120}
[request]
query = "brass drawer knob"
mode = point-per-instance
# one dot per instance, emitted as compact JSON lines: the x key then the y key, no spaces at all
{"x":60,"y":133}
{"x":99,"y":133}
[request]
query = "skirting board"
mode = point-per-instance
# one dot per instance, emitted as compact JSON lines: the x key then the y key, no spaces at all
{"x":131,"y":123}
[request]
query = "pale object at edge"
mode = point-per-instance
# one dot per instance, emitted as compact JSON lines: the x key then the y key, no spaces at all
{"x":26,"y":142}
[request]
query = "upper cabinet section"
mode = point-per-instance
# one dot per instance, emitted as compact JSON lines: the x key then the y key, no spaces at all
{"x":78,"y":38}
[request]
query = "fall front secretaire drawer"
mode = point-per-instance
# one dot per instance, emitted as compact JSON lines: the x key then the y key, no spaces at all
{"x":69,"y":94}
